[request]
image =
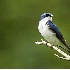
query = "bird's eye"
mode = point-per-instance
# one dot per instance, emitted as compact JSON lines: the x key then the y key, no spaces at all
{"x":48,"y":15}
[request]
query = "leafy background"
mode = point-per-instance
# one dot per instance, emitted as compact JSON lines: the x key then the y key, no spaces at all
{"x":18,"y":31}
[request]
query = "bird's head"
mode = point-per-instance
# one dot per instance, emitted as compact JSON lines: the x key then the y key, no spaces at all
{"x":47,"y":16}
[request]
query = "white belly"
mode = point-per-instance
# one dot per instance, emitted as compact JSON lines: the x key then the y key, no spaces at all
{"x":46,"y":33}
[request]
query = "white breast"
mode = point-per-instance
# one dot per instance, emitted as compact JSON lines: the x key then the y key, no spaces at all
{"x":46,"y":33}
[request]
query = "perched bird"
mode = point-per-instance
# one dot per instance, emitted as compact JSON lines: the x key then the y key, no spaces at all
{"x":50,"y":31}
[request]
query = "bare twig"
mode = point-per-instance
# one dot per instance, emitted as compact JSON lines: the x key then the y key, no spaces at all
{"x":67,"y":57}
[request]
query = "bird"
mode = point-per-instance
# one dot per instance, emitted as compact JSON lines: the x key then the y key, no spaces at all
{"x":50,"y":31}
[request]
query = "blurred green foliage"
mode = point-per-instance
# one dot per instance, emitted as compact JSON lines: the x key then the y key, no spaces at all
{"x":18,"y":32}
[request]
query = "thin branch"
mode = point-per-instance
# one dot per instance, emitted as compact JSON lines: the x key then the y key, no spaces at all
{"x":67,"y":57}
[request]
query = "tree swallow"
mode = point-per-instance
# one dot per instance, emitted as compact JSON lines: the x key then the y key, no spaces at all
{"x":50,"y":31}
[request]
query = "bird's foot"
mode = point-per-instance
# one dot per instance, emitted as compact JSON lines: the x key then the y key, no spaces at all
{"x":51,"y":46}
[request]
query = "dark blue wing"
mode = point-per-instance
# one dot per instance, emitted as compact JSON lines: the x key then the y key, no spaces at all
{"x":55,"y":29}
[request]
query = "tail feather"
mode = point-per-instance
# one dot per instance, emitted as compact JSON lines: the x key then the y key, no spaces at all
{"x":65,"y":43}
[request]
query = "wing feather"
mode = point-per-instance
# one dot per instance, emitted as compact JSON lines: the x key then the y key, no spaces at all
{"x":59,"y":35}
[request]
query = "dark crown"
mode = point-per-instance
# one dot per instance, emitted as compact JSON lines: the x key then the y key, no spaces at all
{"x":46,"y":15}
